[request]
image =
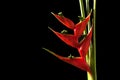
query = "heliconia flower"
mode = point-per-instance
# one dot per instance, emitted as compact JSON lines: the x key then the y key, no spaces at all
{"x":78,"y":62}
{"x":73,"y":40}
{"x":85,"y":43}
{"x":78,"y":28}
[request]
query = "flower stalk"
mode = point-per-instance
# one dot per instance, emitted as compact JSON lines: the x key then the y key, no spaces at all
{"x":82,"y":10}
{"x":89,"y":77}
{"x":94,"y":40}
{"x":91,"y":56}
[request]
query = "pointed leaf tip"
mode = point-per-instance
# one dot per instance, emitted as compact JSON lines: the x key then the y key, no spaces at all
{"x":51,"y":52}
{"x":50,"y":28}
{"x":52,"y":13}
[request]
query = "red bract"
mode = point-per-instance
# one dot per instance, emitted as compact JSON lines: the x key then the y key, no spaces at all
{"x":78,"y":62}
{"x":69,"y":39}
{"x":84,"y":45}
{"x":67,"y":22}
{"x":81,"y":26}
{"x":78,"y":28}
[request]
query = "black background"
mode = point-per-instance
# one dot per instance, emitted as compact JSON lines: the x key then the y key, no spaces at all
{"x":29,"y":33}
{"x":48,"y":65}
{"x":43,"y":65}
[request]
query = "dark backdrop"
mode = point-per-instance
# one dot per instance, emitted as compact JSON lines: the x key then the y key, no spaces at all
{"x":35,"y":17}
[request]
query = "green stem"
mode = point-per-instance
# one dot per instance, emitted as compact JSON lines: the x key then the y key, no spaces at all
{"x":93,"y":54}
{"x":91,"y":57}
{"x":87,"y":6}
{"x":82,"y":11}
{"x":89,"y":25}
{"x":88,"y":11}
{"x":82,"y":8}
{"x":88,"y":57}
{"x":94,"y":41}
